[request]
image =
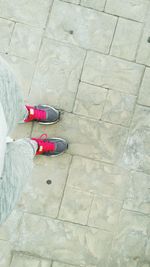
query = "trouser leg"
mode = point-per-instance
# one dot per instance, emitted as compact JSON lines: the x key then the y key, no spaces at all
{"x":11,"y":97}
{"x":17,"y":168}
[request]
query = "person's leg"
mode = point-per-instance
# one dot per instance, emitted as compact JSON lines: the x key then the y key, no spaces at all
{"x":17,"y":168}
{"x":11,"y":97}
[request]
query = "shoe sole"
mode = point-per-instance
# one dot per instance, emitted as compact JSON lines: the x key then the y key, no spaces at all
{"x":54,"y":122}
{"x":53,"y":156}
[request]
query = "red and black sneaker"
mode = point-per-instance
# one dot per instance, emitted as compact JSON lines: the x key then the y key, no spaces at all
{"x":43,"y":114}
{"x":50,"y":146}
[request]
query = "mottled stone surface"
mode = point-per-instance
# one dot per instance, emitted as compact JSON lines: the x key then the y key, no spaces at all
{"x":5,"y":253}
{"x":59,"y":264}
{"x":92,"y":30}
{"x":130,"y":242}
{"x":25,"y":41}
{"x":119,"y":108}
{"x":104,"y":213}
{"x":97,"y":178}
{"x":137,"y":151}
{"x":138,"y":194}
{"x":91,"y":206}
{"x":23,"y":70}
{"x":72,"y":1}
{"x":31,"y":12}
{"x":144,"y":95}
{"x":19,"y":260}
{"x":95,"y":4}
{"x":6,"y":28}
{"x":22,"y":131}
{"x":75,"y":206}
{"x":101,"y":141}
{"x":126,"y":39}
{"x":69,"y":242}
{"x":90,"y":100}
{"x":9,"y":229}
{"x":58,"y":70}
{"x":112,"y":73}
{"x":135,"y":10}
{"x":38,"y":196}
{"x":143,"y":55}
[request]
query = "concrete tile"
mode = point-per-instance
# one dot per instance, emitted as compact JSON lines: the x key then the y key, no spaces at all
{"x":95,"y":4}
{"x":100,"y":179}
{"x":129,"y":244}
{"x":119,"y":108}
{"x":9,"y":229}
{"x":60,"y":264}
{"x":22,"y":130}
{"x":144,"y":95}
{"x":71,"y":243}
{"x":5,"y":254}
{"x":143,"y":55}
{"x":75,"y":206}
{"x":56,"y":78}
{"x":96,"y":140}
{"x":21,"y":260}
{"x":6,"y":28}
{"x":23,"y":70}
{"x":39,"y":197}
{"x":135,"y":10}
{"x":33,"y":13}
{"x":90,"y":100}
{"x":105,"y":213}
{"x":25,"y":41}
{"x":72,"y":1}
{"x":138,"y":197}
{"x":83,"y":27}
{"x":137,"y":152}
{"x":126,"y":39}
{"x":113,"y":73}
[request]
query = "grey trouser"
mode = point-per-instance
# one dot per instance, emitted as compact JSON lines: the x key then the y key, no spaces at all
{"x":19,"y":154}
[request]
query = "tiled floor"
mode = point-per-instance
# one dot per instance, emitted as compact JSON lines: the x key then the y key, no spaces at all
{"x":91,"y":58}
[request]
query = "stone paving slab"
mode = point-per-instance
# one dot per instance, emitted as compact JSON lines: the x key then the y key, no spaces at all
{"x":67,"y":242}
{"x":83,"y":27}
{"x":5,"y":253}
{"x":137,"y":151}
{"x":9,"y":229}
{"x":75,"y":206}
{"x":144,"y":95}
{"x":104,"y":213}
{"x":134,"y":10}
{"x":138,"y":194}
{"x":89,"y":58}
{"x":57,"y":74}
{"x":23,"y":70}
{"x":118,"y":108}
{"x":126,"y":39}
{"x":72,"y":1}
{"x":6,"y":28}
{"x":100,"y":179}
{"x":25,"y":41}
{"x":131,"y":241}
{"x":38,"y":196}
{"x":104,"y":141}
{"x":24,"y":12}
{"x":92,"y":104}
{"x":95,"y":4}
{"x":20,"y":260}
{"x":143,"y":55}
{"x":125,"y":76}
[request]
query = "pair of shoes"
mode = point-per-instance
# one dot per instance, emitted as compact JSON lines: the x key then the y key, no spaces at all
{"x":45,"y":114}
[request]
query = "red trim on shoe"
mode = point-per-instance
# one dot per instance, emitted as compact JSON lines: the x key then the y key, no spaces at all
{"x":35,"y":114}
{"x":44,"y":146}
